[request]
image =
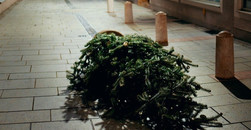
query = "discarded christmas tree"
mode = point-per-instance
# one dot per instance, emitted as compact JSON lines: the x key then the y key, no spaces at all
{"x":133,"y":77}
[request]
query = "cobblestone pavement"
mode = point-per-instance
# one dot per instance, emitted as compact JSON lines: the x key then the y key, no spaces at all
{"x":40,"y":39}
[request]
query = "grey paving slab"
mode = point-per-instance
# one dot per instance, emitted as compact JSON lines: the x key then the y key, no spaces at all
{"x":12,"y":63}
{"x":1,"y":92}
{"x":55,"y":51}
{"x":195,"y":48}
{"x":62,"y":115}
{"x":66,"y":47}
{"x":71,"y":61}
{"x":30,"y":92}
{"x":242,"y":53}
{"x":36,"y":47}
{"x":4,"y":76}
{"x":247,"y":124}
{"x":75,"y":51}
{"x":202,"y":63}
{"x":52,"y":29}
{"x":24,"y":117}
{"x":236,"y":112}
{"x":14,"y":84}
{"x":248,"y":63}
{"x":211,"y":113}
{"x":216,"y":88}
{"x":239,"y":47}
{"x":10,"y":58}
{"x":70,"y":56}
{"x":204,"y":79}
{"x":48,"y":44}
{"x":42,"y":57}
{"x":239,"y":60}
{"x":53,"y":82}
{"x":16,"y":53}
{"x":72,"y":114}
{"x":15,"y":127}
{"x":47,"y":62}
{"x":63,"y":91}
{"x":16,"y":104}
{"x":14,"y":69}
{"x":32,"y":75}
{"x":61,"y":74}
{"x":217,"y":100}
{"x":202,"y":93}
{"x":241,"y":67}
{"x":18,"y":42}
{"x":49,"y":68}
{"x":229,"y":127}
{"x":71,"y":125}
{"x":53,"y":102}
{"x":17,"y":45}
{"x":197,"y":71}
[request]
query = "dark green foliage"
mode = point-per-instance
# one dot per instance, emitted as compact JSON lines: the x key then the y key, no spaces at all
{"x":133,"y":77}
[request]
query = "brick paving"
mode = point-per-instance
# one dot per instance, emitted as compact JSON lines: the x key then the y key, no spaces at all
{"x":39,"y":41}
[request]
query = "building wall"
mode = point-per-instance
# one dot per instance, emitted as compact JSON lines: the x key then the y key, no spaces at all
{"x":227,"y":16}
{"x":242,"y":21}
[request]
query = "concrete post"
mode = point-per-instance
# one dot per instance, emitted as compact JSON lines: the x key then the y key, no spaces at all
{"x":161,"y":28}
{"x":110,"y":6}
{"x":224,"y":68}
{"x":128,"y":12}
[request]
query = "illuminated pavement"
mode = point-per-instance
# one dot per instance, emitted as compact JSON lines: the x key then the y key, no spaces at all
{"x":40,"y":39}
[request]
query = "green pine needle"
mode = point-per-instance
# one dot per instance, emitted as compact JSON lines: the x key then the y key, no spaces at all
{"x":133,"y":77}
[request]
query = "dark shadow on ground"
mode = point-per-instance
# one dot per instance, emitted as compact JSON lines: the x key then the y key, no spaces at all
{"x":237,"y":88}
{"x":74,"y":109}
{"x":182,"y":21}
{"x":110,"y":124}
{"x":212,"y":31}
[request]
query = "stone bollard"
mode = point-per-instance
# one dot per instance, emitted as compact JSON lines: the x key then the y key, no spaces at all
{"x":161,"y":28}
{"x":224,"y":68}
{"x":110,"y":6}
{"x":128,"y":12}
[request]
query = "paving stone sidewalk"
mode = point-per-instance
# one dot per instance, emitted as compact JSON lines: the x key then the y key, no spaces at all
{"x":41,"y":39}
